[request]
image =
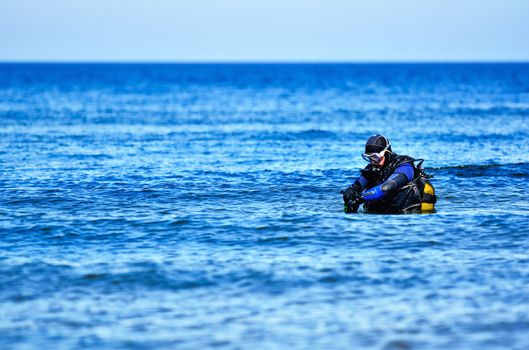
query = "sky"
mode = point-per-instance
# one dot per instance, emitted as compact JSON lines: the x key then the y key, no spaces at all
{"x":264,"y":31}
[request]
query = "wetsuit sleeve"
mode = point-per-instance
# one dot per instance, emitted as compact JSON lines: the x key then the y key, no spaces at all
{"x":402,"y":175}
{"x":405,"y":169}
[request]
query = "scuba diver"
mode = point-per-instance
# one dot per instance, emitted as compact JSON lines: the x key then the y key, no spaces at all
{"x":390,"y":183}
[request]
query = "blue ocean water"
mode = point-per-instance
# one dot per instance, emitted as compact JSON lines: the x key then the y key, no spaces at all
{"x":183,"y":206}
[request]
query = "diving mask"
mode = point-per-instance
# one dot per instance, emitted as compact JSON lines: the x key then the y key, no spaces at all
{"x":375,"y":157}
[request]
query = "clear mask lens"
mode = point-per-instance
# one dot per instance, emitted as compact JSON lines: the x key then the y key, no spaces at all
{"x":373,"y":157}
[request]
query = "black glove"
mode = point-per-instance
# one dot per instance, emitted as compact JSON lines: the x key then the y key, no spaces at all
{"x":352,"y":199}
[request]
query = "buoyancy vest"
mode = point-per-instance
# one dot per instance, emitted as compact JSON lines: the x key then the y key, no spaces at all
{"x":407,"y":199}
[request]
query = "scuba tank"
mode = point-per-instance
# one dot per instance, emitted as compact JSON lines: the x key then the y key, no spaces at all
{"x":428,"y":197}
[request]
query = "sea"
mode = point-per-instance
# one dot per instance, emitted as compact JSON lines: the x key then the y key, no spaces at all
{"x":198,"y":206}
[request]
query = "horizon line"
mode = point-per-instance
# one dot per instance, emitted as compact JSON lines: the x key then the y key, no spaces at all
{"x":227,"y":62}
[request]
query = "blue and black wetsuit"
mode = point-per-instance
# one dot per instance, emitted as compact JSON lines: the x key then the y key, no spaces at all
{"x":400,"y":177}
{"x":389,"y":189}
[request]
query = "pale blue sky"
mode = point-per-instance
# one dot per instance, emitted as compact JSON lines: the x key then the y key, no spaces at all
{"x":272,"y":30}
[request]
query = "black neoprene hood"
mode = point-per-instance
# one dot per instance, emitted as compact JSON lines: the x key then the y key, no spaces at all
{"x":376,"y":144}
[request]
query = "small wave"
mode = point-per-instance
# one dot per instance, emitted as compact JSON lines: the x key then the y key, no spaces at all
{"x":180,"y":222}
{"x":309,"y":134}
{"x":479,"y":166}
{"x":273,"y":239}
{"x":513,"y":170}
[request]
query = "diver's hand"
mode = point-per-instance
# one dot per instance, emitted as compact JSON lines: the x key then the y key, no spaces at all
{"x":352,"y":206}
{"x":352,"y":198}
{"x":351,"y":193}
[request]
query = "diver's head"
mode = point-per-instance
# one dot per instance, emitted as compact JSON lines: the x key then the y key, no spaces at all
{"x":376,"y":148}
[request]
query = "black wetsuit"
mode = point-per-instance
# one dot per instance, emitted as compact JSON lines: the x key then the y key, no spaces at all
{"x":390,"y":189}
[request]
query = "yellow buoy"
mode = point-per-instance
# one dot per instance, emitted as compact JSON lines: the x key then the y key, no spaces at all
{"x":428,"y":198}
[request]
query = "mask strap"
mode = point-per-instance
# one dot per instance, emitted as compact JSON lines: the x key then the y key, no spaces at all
{"x":386,"y":149}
